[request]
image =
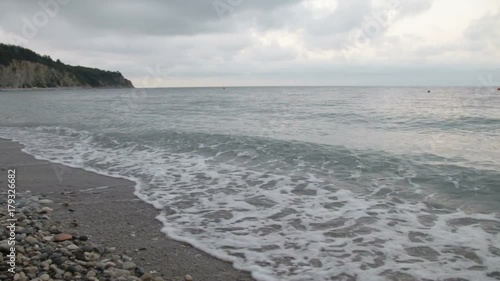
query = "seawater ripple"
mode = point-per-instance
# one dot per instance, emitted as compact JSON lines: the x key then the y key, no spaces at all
{"x":284,"y":221}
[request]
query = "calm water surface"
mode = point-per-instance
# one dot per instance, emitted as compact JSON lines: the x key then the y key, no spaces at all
{"x":294,"y":183}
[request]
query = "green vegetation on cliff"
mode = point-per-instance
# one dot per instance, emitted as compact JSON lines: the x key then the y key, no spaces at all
{"x":23,"y":68}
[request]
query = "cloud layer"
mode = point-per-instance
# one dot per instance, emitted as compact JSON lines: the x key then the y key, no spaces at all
{"x":258,"y":42}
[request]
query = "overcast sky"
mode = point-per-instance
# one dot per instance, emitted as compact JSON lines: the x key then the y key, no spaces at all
{"x":162,"y":43}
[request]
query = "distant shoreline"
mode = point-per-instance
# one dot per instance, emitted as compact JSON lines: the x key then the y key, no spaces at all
{"x":64,"y":88}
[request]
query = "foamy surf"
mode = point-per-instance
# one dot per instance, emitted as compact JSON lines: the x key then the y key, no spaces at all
{"x":285,"y":223}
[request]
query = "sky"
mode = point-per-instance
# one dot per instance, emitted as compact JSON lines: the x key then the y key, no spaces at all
{"x":194,"y":43}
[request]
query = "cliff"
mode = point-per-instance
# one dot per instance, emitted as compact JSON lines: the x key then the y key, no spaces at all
{"x":23,"y":68}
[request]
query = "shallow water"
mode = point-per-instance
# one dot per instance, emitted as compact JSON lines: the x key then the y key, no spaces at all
{"x":294,"y":183}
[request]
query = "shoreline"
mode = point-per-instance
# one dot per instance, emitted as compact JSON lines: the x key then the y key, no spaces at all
{"x":65,"y":88}
{"x":106,"y":209}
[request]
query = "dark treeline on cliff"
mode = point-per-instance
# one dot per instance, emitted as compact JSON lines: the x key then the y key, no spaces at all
{"x":33,"y":70}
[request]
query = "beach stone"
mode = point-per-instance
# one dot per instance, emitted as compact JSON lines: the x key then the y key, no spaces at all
{"x":54,"y":230}
{"x":20,"y":249}
{"x":90,"y":274}
{"x":188,"y":278}
{"x":122,"y":272}
{"x":31,"y":269}
{"x":45,"y":201}
{"x":4,"y":247}
{"x":27,"y":230}
{"x":44,"y":277}
{"x":45,"y":264}
{"x":22,"y":276}
{"x":159,"y":279}
{"x":100,"y":249}
{"x":45,"y":217}
{"x":146,"y":277}
{"x":92,"y":256}
{"x":48,"y":238}
{"x":128,"y":265}
{"x":45,"y":210}
{"x":31,"y":240}
{"x":44,"y":256}
{"x":20,"y":237}
{"x":56,"y":269}
{"x":55,"y":255}
{"x":72,"y":247}
{"x":86,"y":248}
{"x":80,"y":255}
{"x":83,"y":238}
{"x":62,"y":237}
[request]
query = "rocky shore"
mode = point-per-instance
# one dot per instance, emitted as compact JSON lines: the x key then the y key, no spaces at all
{"x":45,"y":251}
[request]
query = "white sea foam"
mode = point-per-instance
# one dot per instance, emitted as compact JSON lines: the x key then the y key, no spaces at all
{"x":284,"y":226}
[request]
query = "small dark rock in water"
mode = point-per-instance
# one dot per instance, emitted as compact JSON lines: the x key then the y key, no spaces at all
{"x":84,"y":238}
{"x":71,"y":210}
{"x":495,"y":274}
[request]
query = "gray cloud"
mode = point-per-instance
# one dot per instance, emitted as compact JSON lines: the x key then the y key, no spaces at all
{"x":237,"y":38}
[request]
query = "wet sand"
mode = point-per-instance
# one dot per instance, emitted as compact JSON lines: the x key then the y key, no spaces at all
{"x":105,"y":209}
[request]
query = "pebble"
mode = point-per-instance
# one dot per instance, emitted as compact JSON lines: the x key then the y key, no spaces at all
{"x":72,"y":247}
{"x":146,"y":277}
{"x":62,"y":237}
{"x":129,"y":265}
{"x":188,"y":278}
{"x":45,"y":201}
{"x":44,"y":277}
{"x":32,"y":240}
{"x":45,"y":210}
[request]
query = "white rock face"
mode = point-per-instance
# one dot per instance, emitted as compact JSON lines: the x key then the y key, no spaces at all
{"x":24,"y":74}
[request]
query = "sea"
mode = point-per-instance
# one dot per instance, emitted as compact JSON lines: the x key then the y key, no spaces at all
{"x":294,"y":183}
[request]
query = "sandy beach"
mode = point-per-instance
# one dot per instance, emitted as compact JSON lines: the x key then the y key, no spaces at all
{"x":106,"y":210}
